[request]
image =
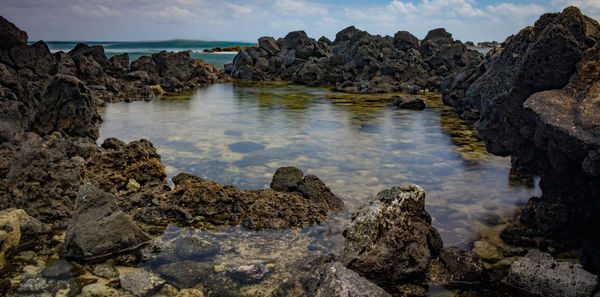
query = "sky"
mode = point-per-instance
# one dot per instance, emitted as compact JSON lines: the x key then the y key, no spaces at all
{"x":247,"y":20}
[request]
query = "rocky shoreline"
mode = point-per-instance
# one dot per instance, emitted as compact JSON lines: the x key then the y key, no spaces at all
{"x":112,"y":200}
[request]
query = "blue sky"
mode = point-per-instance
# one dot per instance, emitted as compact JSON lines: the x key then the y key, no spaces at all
{"x":246,"y":20}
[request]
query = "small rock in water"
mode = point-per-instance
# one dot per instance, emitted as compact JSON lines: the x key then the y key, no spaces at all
{"x":244,"y":147}
{"x":286,"y":179}
{"x":132,"y":184}
{"x":97,"y":290}
{"x":410,"y":102}
{"x":540,"y":274}
{"x":249,"y":274}
{"x":193,"y":248}
{"x":140,"y":283}
{"x":487,"y":251}
{"x":491,"y":219}
{"x":57,"y":269}
{"x":185,"y":274}
{"x":32,"y":285}
{"x":105,"y":270}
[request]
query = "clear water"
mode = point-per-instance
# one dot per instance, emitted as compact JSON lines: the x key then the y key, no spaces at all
{"x":355,"y":143}
{"x":137,"y":49}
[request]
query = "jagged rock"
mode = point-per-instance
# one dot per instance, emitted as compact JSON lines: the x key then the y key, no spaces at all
{"x":286,"y":179}
{"x":539,"y":273}
{"x":456,"y":265}
{"x":105,"y":270}
{"x":141,"y":283}
{"x":409,"y":102}
{"x":99,"y":228}
{"x":335,"y":280}
{"x":67,"y":107}
{"x":10,"y":35}
{"x":258,"y":209}
{"x":10,"y":234}
{"x":391,"y":241}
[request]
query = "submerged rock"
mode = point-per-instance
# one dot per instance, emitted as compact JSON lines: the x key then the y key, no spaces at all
{"x":248,"y":274}
{"x":335,"y":280}
{"x":409,"y":102}
{"x":99,"y":228}
{"x":391,"y":241}
{"x":141,"y":283}
{"x":539,"y":273}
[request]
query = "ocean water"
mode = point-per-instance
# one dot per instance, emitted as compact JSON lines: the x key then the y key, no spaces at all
{"x":136,"y":49}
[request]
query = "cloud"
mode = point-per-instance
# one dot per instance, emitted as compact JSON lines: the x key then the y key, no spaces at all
{"x":246,"y":20}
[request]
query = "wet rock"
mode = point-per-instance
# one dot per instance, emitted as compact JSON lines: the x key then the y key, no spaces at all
{"x":10,"y":234}
{"x":335,"y":280}
{"x":99,"y":228}
{"x":105,"y":270}
{"x":157,"y":215}
{"x":245,"y":147}
{"x":248,"y":274}
{"x":10,"y":35}
{"x":185,"y":274}
{"x":190,"y":293}
{"x":391,"y":241}
{"x":409,"y":102}
{"x":459,"y":266}
{"x":141,"y":283}
{"x":57,"y":269}
{"x":193,"y":248}
{"x":487,"y":251}
{"x":539,"y":273}
{"x":286,"y":179}
{"x":32,"y":284}
{"x":97,"y":290}
{"x":258,"y":209}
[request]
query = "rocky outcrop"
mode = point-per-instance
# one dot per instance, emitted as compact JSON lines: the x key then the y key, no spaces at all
{"x":99,"y":228}
{"x":356,"y":61}
{"x":218,"y":204}
{"x":17,"y":227}
{"x":538,"y":273}
{"x":536,"y":100}
{"x":10,"y":35}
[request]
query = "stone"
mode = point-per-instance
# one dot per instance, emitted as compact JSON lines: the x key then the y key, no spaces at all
{"x":141,"y":283}
{"x":391,"y":241}
{"x":248,"y":274}
{"x":193,"y":248}
{"x":409,"y":102}
{"x":314,"y":189}
{"x":10,"y":234}
{"x":32,"y":284}
{"x":286,"y":179}
{"x":461,"y":266}
{"x":538,"y":273}
{"x":57,"y":269}
{"x":105,"y":270}
{"x":190,"y":293}
{"x":132,"y":184}
{"x":97,"y":290}
{"x":10,"y":35}
{"x":487,"y":251}
{"x":185,"y":274}
{"x":99,"y":228}
{"x":335,"y":280}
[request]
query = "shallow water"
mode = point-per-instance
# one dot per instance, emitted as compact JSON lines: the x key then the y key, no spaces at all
{"x":240,"y":134}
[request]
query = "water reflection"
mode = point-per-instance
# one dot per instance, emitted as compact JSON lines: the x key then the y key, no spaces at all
{"x":240,"y":134}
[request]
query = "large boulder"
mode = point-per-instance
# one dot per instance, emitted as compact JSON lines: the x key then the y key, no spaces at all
{"x":99,"y":228}
{"x":391,"y":241}
{"x":334,"y":280}
{"x":10,"y":35}
{"x":538,"y":273}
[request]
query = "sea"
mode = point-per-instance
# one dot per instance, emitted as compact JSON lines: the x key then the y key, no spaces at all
{"x":137,"y":49}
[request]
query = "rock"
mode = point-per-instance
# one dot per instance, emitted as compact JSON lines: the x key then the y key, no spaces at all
{"x":5,"y":286}
{"x":34,"y":284}
{"x":193,"y":248}
{"x":97,"y":290}
{"x":10,"y":35}
{"x":190,"y":293}
{"x":335,"y":280}
{"x":286,"y":179}
{"x":248,"y":274}
{"x":538,"y":273}
{"x":259,"y":209}
{"x":99,"y":228}
{"x":487,"y":251}
{"x":315,"y":190}
{"x":141,"y":283}
{"x":461,"y":266}
{"x":67,"y":107}
{"x":391,"y":241}
{"x":132,"y":184}
{"x":57,"y":269}
{"x":185,"y":274}
{"x":105,"y":270}
{"x":409,"y":102}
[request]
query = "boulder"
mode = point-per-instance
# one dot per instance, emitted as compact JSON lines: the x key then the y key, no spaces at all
{"x":99,"y":228}
{"x":335,"y":280}
{"x":538,"y":273}
{"x":456,"y":266}
{"x":409,"y":102}
{"x":391,"y":241}
{"x":141,"y":283}
{"x":10,"y":35}
{"x":286,"y":179}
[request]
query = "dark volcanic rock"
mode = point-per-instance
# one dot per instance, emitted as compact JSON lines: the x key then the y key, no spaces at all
{"x":140,"y":283}
{"x":335,"y":280}
{"x":185,"y":274}
{"x":456,"y":265}
{"x":286,"y":179}
{"x":99,"y":228}
{"x":391,"y":241}
{"x":409,"y":102}
{"x":10,"y":35}
{"x":258,"y":209}
{"x":540,"y":274}
{"x":356,"y":61}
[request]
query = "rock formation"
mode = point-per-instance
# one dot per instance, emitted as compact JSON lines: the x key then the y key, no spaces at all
{"x":356,"y":61}
{"x":536,"y":99}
